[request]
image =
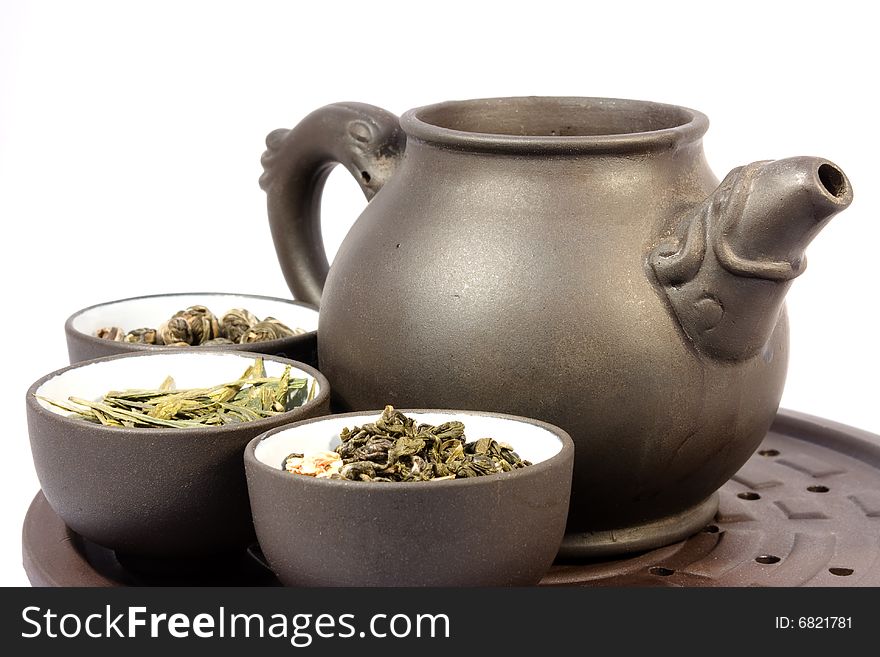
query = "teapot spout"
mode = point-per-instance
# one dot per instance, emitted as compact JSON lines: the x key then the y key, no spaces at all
{"x":783,"y":204}
{"x":727,"y":268}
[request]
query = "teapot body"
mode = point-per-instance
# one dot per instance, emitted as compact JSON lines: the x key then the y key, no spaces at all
{"x":491,"y":273}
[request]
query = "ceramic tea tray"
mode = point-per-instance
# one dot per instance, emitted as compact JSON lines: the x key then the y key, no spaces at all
{"x":804,"y":511}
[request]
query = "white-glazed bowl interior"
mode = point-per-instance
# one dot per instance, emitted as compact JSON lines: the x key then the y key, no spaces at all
{"x":531,"y":441}
{"x":190,"y":369}
{"x":151,"y":311}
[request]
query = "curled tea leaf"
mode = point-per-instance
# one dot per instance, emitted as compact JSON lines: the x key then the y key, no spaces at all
{"x":358,"y":471}
{"x":110,"y":333}
{"x":176,"y":331}
{"x":203,"y":325}
{"x":197,"y":325}
{"x":143,"y":336}
{"x":269,"y":329}
{"x":236,"y":322}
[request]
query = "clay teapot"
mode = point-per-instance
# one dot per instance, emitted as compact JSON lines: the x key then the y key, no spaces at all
{"x":569,"y":259}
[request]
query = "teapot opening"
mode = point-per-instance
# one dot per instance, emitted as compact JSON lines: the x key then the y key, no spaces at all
{"x":554,"y":124}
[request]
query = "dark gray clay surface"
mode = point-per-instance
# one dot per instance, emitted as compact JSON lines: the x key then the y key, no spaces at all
{"x":496,"y":530}
{"x":152,"y":492}
{"x":827,"y":538}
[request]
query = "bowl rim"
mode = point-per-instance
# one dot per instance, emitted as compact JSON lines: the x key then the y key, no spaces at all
{"x":321,"y":398}
{"x":278,"y":343}
{"x":536,"y":469}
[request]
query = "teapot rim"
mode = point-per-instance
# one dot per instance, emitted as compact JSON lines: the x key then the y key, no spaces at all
{"x":461,"y":125}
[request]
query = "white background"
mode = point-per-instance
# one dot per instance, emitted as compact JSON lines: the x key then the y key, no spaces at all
{"x":130,"y":138}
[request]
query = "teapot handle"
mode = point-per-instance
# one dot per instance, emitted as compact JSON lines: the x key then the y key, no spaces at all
{"x":367,"y":140}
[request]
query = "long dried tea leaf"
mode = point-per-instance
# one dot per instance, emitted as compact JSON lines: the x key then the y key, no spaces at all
{"x":252,"y":397}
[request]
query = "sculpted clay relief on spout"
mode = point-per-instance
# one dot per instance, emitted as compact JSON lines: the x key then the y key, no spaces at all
{"x":727,"y":268}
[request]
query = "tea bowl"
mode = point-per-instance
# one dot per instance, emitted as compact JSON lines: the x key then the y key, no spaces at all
{"x":151,"y":311}
{"x":165,"y":493}
{"x":495,"y":530}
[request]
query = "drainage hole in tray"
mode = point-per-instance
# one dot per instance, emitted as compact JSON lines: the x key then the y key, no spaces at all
{"x":661,"y":571}
{"x":768,"y":559}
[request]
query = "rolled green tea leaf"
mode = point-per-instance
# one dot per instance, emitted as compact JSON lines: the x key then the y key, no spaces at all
{"x":395,"y":448}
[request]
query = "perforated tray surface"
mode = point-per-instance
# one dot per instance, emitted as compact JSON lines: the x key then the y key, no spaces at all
{"x":804,"y":511}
